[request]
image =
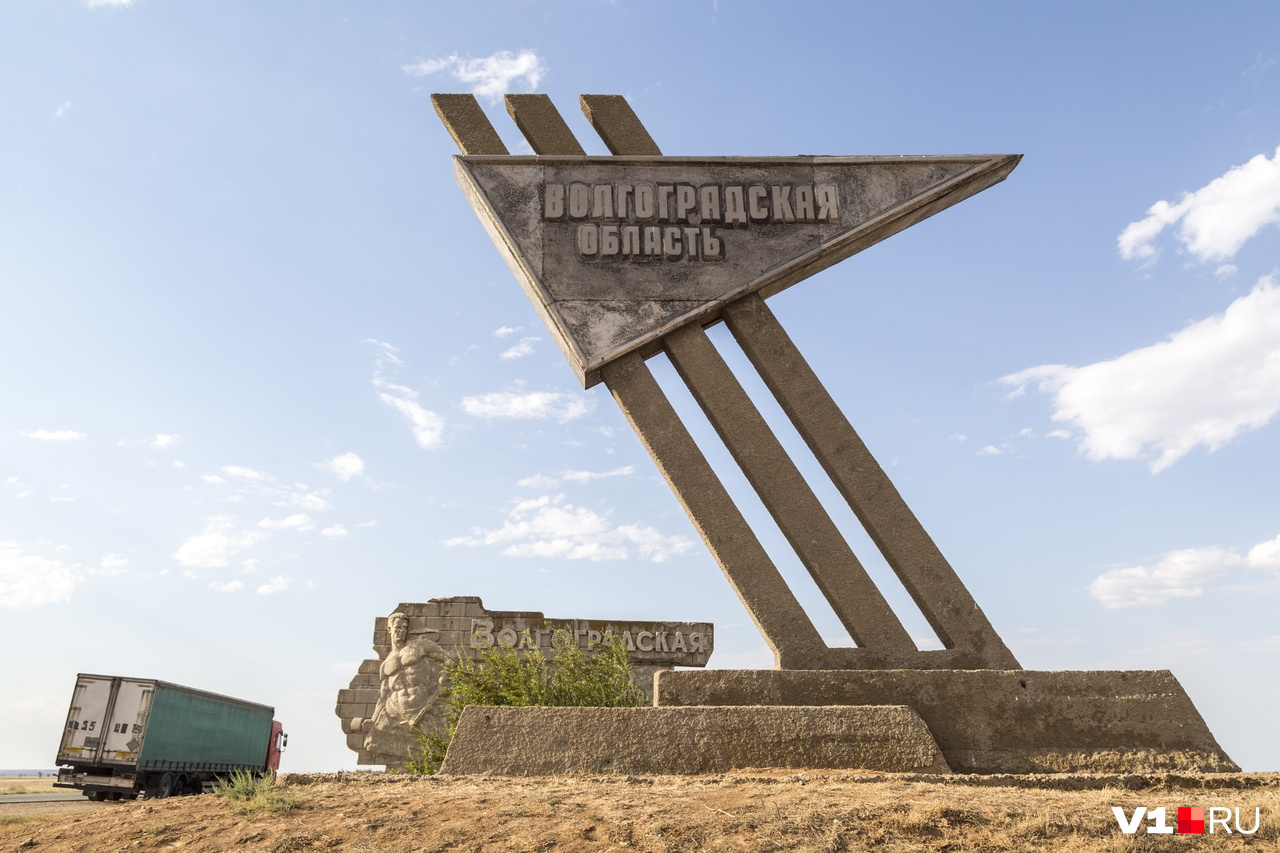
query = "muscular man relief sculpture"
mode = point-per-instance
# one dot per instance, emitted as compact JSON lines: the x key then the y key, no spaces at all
{"x":401,"y":691}
{"x":411,"y":679}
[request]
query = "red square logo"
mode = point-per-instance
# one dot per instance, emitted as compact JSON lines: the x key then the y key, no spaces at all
{"x":1191,"y":820}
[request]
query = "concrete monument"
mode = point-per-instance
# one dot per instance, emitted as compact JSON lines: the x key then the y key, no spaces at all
{"x":399,"y":690}
{"x":636,"y":253}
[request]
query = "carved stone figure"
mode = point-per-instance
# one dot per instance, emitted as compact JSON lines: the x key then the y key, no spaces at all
{"x":401,"y":689}
{"x":411,"y":677}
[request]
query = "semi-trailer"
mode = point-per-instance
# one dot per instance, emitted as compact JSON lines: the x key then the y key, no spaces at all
{"x":130,"y":736}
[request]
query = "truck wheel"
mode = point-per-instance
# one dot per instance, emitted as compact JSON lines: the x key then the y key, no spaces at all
{"x":163,"y":787}
{"x":96,"y":796}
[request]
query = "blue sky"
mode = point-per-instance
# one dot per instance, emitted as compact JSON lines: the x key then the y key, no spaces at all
{"x":265,"y":376}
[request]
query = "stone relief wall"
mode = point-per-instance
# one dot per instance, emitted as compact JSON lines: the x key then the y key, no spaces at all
{"x":400,"y":689}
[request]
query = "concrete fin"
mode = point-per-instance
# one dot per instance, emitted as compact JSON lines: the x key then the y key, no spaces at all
{"x":797,"y":511}
{"x":928,"y":578}
{"x":467,"y":124}
{"x":618,"y":125}
{"x":690,"y":231}
{"x":542,"y":125}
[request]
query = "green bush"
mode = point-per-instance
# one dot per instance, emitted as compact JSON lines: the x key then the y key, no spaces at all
{"x":249,"y":792}
{"x":503,"y":676}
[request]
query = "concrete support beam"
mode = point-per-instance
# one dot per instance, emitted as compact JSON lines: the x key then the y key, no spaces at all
{"x":550,"y":741}
{"x":753,"y":576}
{"x":542,"y":125}
{"x":799,"y":514}
{"x":619,"y":126}
{"x":950,"y":610}
{"x":468,"y":125}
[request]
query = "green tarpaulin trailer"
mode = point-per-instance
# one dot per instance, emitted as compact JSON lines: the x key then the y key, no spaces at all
{"x":126,"y":736}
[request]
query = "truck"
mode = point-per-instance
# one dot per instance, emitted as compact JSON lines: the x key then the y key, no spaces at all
{"x":127,"y":737}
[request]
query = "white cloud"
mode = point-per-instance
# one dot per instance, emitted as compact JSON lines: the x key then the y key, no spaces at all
{"x":990,"y":450}
{"x":1204,"y":385}
{"x":112,"y":565}
{"x":296,"y":496}
{"x":161,"y":441}
{"x":62,"y":110}
{"x":300,"y":497}
{"x":1265,"y":555}
{"x":52,"y":435}
{"x":489,"y":77}
{"x":337,"y":531}
{"x":549,"y":527}
{"x":387,"y":353}
{"x":1216,"y":219}
{"x":29,"y":580}
{"x":535,"y":405}
{"x":503,"y":331}
{"x":1179,"y":574}
{"x":243,"y":473}
{"x":298,"y":521}
{"x":344,"y":467}
{"x":427,"y":426}
{"x":115,"y":4}
{"x":230,"y":586}
{"x":216,"y":544}
{"x":520,"y":350}
{"x":587,"y":476}
{"x":538,"y":481}
{"x":276,"y":584}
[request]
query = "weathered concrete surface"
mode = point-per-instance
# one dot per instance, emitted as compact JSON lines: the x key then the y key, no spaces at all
{"x":993,"y":721}
{"x":467,"y":124}
{"x":746,"y":565}
{"x":548,"y":741}
{"x":542,"y":125}
{"x":934,"y":586}
{"x":799,"y":514}
{"x":399,"y":690}
{"x":618,"y":125}
{"x":708,"y":257}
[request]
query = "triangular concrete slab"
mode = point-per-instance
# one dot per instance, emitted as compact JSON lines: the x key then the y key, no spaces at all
{"x":617,"y":251}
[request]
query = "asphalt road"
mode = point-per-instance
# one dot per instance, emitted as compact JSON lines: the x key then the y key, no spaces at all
{"x":54,"y":797}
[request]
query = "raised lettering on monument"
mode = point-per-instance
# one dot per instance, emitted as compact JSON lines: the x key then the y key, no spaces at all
{"x":400,"y":690}
{"x":617,"y":251}
{"x":623,"y":221}
{"x":647,"y":643}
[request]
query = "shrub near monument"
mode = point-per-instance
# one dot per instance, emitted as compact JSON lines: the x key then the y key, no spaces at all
{"x":503,"y":676}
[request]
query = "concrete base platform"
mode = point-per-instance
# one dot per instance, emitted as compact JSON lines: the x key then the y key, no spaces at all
{"x":549,"y":741}
{"x":997,"y":721}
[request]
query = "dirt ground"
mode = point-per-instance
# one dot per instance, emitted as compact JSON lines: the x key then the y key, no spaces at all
{"x":381,"y":813}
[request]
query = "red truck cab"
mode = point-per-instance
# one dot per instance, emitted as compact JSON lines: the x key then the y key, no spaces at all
{"x":279,"y":740}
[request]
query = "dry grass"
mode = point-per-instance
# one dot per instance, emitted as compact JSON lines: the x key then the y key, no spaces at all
{"x":375,"y":813}
{"x":27,"y":784}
